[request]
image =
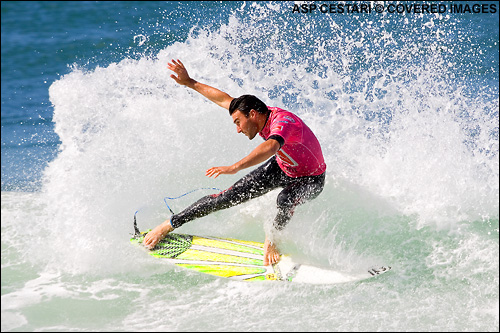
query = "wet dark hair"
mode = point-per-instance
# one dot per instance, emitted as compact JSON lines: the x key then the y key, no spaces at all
{"x":245,"y":103}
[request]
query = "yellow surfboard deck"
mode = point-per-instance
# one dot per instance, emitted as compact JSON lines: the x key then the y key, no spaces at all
{"x":242,"y":260}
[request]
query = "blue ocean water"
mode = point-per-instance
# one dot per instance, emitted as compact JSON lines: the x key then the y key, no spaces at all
{"x":405,"y":105}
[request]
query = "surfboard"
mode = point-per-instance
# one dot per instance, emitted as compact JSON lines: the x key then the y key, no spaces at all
{"x":243,"y":261}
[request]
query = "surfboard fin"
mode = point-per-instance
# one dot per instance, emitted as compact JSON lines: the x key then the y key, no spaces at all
{"x":137,"y":233}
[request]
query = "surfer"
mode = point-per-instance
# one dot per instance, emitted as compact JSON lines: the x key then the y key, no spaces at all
{"x":291,"y":152}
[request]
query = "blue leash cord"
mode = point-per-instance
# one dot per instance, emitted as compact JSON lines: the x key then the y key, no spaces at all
{"x":137,"y":233}
{"x":180,"y":196}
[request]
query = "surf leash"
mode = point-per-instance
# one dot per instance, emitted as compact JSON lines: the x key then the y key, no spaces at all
{"x":180,"y":196}
{"x":136,"y":229}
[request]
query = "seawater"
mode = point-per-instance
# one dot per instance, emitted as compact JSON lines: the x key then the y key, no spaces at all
{"x":94,"y":130}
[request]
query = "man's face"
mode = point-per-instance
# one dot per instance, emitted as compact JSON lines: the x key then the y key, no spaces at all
{"x":247,"y":126}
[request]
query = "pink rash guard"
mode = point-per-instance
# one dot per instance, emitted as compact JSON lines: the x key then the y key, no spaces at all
{"x":300,"y":154}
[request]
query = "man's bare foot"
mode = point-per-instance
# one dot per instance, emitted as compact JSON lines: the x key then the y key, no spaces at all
{"x":157,"y":234}
{"x":271,"y":253}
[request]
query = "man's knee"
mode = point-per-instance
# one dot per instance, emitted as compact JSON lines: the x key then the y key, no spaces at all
{"x":285,"y":202}
{"x":289,"y":199}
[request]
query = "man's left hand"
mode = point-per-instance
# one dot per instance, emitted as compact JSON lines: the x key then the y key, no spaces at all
{"x":216,"y":171}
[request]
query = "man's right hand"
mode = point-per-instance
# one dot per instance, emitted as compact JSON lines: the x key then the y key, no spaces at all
{"x":215,"y":95}
{"x":182,"y":77}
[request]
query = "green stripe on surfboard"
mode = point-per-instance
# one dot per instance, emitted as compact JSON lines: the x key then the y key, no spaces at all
{"x":224,"y":244}
{"x":225,"y":270}
{"x":217,"y":257}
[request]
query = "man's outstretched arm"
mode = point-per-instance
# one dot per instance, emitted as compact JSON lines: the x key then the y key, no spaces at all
{"x":215,"y":95}
{"x":261,"y":153}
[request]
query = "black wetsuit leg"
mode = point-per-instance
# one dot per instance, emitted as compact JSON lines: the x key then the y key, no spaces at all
{"x":296,"y":191}
{"x":257,"y":183}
